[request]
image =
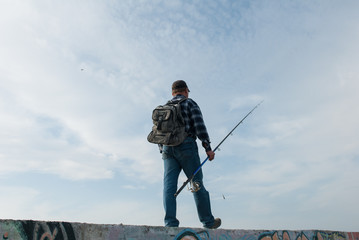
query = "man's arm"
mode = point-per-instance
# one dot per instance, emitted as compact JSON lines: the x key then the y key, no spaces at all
{"x":201,"y":130}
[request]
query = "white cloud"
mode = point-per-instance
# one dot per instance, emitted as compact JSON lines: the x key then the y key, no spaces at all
{"x":79,"y":81}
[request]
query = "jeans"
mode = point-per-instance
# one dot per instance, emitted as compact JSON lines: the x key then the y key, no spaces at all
{"x":184,"y":156}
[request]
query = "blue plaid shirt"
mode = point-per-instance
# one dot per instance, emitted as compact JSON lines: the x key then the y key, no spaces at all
{"x":193,"y":118}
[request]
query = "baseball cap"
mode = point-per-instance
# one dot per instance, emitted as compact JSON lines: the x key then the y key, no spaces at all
{"x":179,"y":84}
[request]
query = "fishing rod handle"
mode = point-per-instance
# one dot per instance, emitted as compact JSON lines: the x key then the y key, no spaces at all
{"x":181,"y":188}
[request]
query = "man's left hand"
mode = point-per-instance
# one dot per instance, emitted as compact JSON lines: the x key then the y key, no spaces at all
{"x":210,"y":155}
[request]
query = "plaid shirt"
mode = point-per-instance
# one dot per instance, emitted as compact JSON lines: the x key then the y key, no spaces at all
{"x":193,"y":118}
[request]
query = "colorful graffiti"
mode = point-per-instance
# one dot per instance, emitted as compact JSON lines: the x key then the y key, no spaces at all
{"x":190,"y":234}
{"x":304,"y":235}
{"x":39,"y":230}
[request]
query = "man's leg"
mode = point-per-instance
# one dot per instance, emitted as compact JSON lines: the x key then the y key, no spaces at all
{"x":188,"y":156}
{"x":203,"y":202}
{"x":171,"y":172}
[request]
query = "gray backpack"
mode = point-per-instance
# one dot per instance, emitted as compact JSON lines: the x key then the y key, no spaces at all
{"x":168,"y":124}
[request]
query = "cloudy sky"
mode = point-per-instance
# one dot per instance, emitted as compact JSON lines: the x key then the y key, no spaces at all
{"x":79,"y":81}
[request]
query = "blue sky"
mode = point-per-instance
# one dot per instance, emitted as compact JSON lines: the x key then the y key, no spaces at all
{"x":79,"y":80}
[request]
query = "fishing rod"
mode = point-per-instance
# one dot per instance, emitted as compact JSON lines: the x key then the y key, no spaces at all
{"x":200,"y":166}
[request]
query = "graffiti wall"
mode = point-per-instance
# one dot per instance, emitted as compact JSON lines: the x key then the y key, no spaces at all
{"x":38,"y":230}
{"x":190,"y":234}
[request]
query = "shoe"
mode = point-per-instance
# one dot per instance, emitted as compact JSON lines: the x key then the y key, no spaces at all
{"x":217,"y":223}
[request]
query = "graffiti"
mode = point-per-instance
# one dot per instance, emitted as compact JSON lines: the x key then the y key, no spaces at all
{"x":5,"y":236}
{"x":52,"y":231}
{"x":219,"y":234}
{"x":353,"y":236}
{"x":315,"y":235}
{"x":39,"y":230}
{"x":330,"y":235}
{"x":189,"y":234}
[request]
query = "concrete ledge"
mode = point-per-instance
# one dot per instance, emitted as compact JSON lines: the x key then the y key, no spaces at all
{"x":40,"y":230}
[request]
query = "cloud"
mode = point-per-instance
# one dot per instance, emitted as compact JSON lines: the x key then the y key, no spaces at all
{"x":66,"y":120}
{"x":79,"y":81}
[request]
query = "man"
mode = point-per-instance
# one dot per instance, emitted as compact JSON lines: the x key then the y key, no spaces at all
{"x":185,"y":156}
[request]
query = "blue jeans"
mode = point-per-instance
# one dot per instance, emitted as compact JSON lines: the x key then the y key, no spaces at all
{"x":184,"y":156}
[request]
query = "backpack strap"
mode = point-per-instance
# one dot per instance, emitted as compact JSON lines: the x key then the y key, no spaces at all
{"x":176,"y":101}
{"x":178,"y":108}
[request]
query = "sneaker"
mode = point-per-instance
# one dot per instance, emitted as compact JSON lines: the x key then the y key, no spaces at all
{"x":217,"y":223}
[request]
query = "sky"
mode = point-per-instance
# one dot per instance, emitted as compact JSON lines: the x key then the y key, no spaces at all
{"x":79,"y":80}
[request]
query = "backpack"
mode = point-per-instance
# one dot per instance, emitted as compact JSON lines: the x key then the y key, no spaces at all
{"x":168,"y":124}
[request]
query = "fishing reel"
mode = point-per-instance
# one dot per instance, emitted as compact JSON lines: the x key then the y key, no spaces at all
{"x":194,"y":186}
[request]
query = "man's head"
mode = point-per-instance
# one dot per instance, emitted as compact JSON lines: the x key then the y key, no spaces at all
{"x":178,"y":87}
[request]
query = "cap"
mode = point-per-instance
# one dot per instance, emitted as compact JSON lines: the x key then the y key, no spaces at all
{"x":179,"y":85}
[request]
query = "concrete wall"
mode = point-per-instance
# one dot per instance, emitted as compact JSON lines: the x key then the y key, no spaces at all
{"x":38,"y":230}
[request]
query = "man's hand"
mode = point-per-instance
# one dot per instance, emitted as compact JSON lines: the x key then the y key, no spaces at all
{"x":210,"y":155}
